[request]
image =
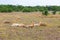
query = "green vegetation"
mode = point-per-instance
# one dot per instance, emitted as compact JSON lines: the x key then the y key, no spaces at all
{"x":20,"y":8}
{"x":54,"y":12}
{"x":45,"y":12}
{"x":11,"y":8}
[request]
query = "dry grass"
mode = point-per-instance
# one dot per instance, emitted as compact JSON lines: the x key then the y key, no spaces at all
{"x":50,"y":32}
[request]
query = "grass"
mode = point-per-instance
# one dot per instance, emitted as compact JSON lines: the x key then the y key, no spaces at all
{"x":37,"y":33}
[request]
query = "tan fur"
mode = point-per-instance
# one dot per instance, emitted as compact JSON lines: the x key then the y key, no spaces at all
{"x":36,"y":24}
{"x":30,"y":25}
{"x":42,"y":24}
{"x":18,"y":25}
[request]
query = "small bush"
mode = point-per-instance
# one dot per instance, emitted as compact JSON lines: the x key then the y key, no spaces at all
{"x":54,"y":12}
{"x":45,"y":12}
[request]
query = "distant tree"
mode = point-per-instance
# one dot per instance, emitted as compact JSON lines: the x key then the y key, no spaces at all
{"x":54,"y":12}
{"x":20,"y":8}
{"x":45,"y":12}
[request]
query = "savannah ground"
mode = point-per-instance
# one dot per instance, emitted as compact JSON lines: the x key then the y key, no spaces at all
{"x":49,"y":32}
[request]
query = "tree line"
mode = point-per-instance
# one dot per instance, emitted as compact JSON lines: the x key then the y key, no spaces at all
{"x":20,"y":8}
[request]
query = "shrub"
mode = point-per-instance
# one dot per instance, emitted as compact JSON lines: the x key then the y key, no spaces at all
{"x":45,"y":12}
{"x":54,"y":12}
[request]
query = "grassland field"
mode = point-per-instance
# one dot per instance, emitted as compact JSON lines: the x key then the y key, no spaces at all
{"x":49,"y":32}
